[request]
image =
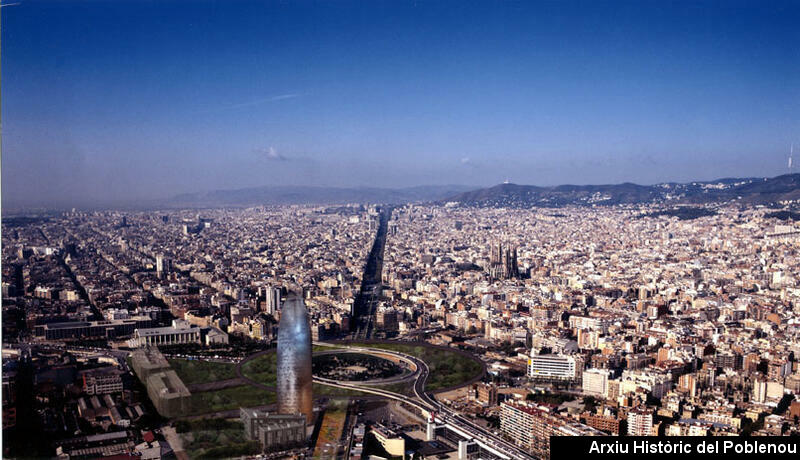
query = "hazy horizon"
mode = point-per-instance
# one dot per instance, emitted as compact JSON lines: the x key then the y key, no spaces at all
{"x":126,"y":102}
{"x":175,"y":201}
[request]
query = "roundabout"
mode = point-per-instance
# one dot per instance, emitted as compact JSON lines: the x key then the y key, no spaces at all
{"x":425,"y":368}
{"x":363,"y":368}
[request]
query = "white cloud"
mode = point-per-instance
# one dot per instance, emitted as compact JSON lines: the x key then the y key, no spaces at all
{"x":271,"y":154}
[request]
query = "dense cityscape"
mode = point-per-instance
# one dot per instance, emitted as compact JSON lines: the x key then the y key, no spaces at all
{"x":484,"y":332}
{"x":399,"y":229}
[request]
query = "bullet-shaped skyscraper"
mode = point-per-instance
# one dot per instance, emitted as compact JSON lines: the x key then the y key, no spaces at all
{"x":294,"y":359}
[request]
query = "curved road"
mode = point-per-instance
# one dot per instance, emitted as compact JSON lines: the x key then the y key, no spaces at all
{"x":475,"y":379}
{"x":404,"y":377}
{"x":412,"y":362}
{"x":424,"y":402}
{"x":430,"y":406}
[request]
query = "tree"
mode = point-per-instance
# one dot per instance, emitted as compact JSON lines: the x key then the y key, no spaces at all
{"x":784,"y":404}
{"x":590,"y":402}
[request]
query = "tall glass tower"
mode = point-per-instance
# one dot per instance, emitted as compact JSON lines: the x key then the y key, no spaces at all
{"x":294,"y":359}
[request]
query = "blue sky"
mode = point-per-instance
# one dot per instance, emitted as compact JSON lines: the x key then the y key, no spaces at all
{"x":136,"y":100}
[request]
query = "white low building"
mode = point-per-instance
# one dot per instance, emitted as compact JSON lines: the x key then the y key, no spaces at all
{"x":552,"y":367}
{"x":179,"y":333}
{"x":214,"y":336}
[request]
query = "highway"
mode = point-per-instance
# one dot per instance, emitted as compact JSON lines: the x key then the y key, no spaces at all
{"x":428,"y":405}
{"x":367,"y":298}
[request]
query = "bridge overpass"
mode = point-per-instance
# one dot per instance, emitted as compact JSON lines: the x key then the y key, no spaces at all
{"x":473,"y":440}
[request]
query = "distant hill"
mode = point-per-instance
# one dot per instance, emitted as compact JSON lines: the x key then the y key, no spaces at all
{"x":751,"y":190}
{"x":513,"y":195}
{"x":315,"y":195}
{"x":744,"y":190}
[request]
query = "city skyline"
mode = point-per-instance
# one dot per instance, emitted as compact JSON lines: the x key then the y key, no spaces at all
{"x":399,"y":228}
{"x":493,"y":327}
{"x":128,"y":101}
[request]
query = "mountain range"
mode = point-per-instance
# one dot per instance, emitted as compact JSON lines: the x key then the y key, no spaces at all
{"x":745,"y":191}
{"x":751,"y":190}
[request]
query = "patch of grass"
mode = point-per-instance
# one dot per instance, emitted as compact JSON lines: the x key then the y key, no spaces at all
{"x":330,"y":432}
{"x":226,"y":441}
{"x":403,"y":388}
{"x":230,"y":398}
{"x":262,"y":369}
{"x":447,"y":368}
{"x":194,"y":371}
{"x":316,"y":348}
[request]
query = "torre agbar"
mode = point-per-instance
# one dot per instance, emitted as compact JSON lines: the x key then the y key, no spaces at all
{"x":294,"y":359}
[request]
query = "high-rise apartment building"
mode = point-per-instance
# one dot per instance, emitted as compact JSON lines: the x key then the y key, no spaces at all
{"x":640,"y":422}
{"x":272,"y":299}
{"x":531,"y":426}
{"x":163,"y":265}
